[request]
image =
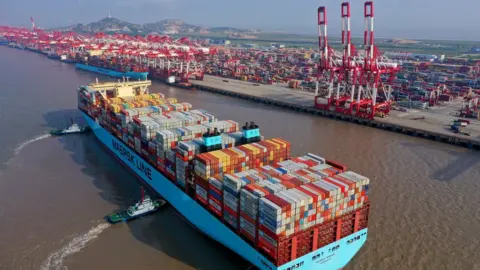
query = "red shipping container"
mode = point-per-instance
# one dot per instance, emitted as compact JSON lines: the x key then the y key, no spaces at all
{"x":201,"y":200}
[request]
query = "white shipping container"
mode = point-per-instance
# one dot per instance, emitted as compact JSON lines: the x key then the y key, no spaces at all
{"x":201,"y":192}
{"x":247,"y":226}
{"x":321,"y":167}
{"x":138,"y":145}
{"x":316,"y":158}
{"x":230,"y":203}
{"x":214,"y":182}
{"x":267,"y":238}
{"x":355,"y":177}
{"x":269,"y":207}
{"x":339,"y":183}
{"x":215,"y":205}
{"x":230,"y":197}
{"x":232,"y":182}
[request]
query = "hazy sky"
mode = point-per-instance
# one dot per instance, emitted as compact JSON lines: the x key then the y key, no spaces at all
{"x":452,"y":19}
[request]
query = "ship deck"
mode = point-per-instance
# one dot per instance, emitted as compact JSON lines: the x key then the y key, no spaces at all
{"x":330,"y":257}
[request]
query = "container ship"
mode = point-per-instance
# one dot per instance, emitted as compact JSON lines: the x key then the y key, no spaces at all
{"x":3,"y":40}
{"x":112,"y":68}
{"x":246,"y":192}
{"x":174,"y":77}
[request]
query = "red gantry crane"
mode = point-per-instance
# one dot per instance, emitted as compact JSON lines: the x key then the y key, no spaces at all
{"x":357,"y":84}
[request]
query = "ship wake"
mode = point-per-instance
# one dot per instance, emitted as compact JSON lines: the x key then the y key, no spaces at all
{"x":24,"y":144}
{"x":55,"y":259}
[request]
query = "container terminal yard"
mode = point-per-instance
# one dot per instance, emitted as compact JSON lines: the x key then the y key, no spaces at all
{"x":262,"y":191}
{"x":424,"y":99}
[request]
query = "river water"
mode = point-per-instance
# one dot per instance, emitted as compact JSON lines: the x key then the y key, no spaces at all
{"x":54,"y":191}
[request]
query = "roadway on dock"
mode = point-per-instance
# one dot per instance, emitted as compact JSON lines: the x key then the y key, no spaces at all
{"x":279,"y":92}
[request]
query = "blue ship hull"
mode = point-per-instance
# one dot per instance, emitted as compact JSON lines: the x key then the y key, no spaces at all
{"x":331,"y":257}
{"x":113,"y":73}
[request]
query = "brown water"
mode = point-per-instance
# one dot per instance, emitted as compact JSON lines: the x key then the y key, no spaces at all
{"x":54,"y":191}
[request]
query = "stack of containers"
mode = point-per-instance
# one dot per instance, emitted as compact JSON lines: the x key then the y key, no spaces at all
{"x":215,"y":187}
{"x":127,"y":115}
{"x":233,"y":183}
{"x":293,"y":211}
{"x":205,"y":115}
{"x":168,"y":139}
{"x":170,"y":122}
{"x":170,"y":165}
{"x":189,"y":118}
{"x":157,"y":96}
{"x":211,"y":167}
{"x":262,"y":182}
{"x":171,"y":100}
{"x":148,"y":129}
{"x":186,"y":151}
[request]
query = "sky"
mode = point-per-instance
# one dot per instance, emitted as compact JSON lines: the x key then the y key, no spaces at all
{"x":420,"y":19}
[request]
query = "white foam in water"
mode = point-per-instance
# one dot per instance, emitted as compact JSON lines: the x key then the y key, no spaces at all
{"x":55,"y":260}
{"x":19,"y":147}
{"x":22,"y":145}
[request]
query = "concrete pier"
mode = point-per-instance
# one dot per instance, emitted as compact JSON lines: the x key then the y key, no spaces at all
{"x":435,"y":126}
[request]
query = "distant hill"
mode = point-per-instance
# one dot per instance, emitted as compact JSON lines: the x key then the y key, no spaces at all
{"x":110,"y":25}
{"x":166,"y":27}
{"x":174,"y":27}
{"x":232,"y":30}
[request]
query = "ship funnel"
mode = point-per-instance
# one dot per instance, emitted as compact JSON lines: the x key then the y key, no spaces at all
{"x":212,"y":140}
{"x":251,"y":133}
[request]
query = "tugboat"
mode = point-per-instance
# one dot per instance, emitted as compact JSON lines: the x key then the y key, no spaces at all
{"x":143,"y":207}
{"x":73,"y":128}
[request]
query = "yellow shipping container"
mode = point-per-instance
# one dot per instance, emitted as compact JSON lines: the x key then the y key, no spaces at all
{"x":224,"y":159}
{"x":252,"y":148}
{"x":279,"y":143}
{"x":155,"y":96}
{"x":238,"y":152}
{"x":115,"y":108}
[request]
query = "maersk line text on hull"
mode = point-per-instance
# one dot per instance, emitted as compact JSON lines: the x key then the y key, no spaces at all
{"x":139,"y":164}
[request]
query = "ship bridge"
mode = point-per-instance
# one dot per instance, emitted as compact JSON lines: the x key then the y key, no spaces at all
{"x":121,"y":88}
